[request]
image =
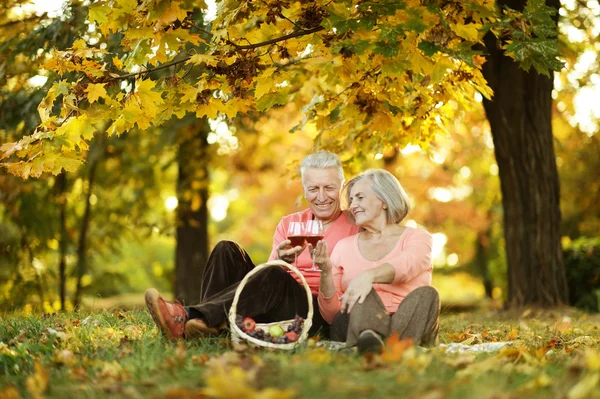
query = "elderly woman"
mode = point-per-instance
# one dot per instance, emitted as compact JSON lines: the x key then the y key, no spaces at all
{"x":274,"y":294}
{"x":378,"y":281}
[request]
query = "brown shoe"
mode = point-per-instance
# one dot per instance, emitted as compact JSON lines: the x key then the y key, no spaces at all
{"x":170,"y":317}
{"x":197,"y":328}
{"x":369,"y":342}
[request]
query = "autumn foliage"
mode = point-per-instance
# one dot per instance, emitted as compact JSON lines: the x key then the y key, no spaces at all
{"x":367,"y":75}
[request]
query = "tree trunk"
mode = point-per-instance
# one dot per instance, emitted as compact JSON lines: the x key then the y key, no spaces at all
{"x":482,"y":245}
{"x":61,"y":187}
{"x":93,"y":159}
{"x":520,"y":119}
{"x":192,"y":212}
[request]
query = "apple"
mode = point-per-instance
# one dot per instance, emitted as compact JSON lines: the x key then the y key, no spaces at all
{"x":276,"y":331}
{"x":291,"y":336}
{"x":248,"y":324}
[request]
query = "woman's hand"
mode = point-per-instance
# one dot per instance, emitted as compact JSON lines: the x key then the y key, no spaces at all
{"x":287,"y":253}
{"x":358,"y":289}
{"x":321,"y":256}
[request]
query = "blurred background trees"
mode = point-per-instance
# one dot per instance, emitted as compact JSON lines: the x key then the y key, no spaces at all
{"x":143,"y":200}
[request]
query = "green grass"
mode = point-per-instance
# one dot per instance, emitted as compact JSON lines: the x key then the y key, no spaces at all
{"x":555,"y":354}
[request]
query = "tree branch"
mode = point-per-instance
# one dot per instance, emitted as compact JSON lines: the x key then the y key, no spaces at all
{"x":278,"y":39}
{"x":158,"y":68}
{"x":237,"y":48}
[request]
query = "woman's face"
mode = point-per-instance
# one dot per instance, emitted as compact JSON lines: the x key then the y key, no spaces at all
{"x":365,"y":206}
{"x":322,"y":191}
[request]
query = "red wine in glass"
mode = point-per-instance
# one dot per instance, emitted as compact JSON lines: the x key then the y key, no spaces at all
{"x":297,"y":240}
{"x":295,"y":233}
{"x":313,"y":240}
{"x":314,"y":233}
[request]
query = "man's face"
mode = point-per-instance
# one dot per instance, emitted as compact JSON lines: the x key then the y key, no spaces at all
{"x":322,"y":191}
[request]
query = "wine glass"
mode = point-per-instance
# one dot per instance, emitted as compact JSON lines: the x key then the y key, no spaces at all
{"x":295,"y":233}
{"x":314,"y":234}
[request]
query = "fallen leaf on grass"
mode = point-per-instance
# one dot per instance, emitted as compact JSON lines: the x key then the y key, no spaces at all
{"x":461,"y":360}
{"x":78,"y":373}
{"x":58,"y":334}
{"x":513,"y":334}
{"x":584,"y":388}
{"x":9,"y":392}
{"x":37,"y":384}
{"x":562,"y":325}
{"x":239,"y":347}
{"x":64,"y":358}
{"x":541,"y":381}
{"x":112,"y":372}
{"x":394,"y":348}
{"x":235,"y":383}
{"x":18,"y":339}
{"x":517,"y":354}
{"x":319,"y":356}
{"x":200,"y":360}
{"x":5,"y":350}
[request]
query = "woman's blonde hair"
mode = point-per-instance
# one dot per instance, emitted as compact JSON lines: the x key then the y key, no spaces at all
{"x":388,"y":189}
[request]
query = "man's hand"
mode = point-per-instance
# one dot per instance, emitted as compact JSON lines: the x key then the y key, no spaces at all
{"x":321,"y":256}
{"x":287,"y":253}
{"x":358,"y":289}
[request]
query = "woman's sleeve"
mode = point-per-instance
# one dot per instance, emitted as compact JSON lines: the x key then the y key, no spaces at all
{"x":329,"y":307}
{"x":414,"y":259}
{"x":278,"y":237}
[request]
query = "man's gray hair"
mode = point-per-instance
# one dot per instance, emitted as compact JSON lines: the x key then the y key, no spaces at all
{"x":388,"y":189}
{"x":322,"y":160}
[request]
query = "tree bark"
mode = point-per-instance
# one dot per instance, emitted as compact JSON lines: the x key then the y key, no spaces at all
{"x":520,"y":120}
{"x":61,"y":187}
{"x":93,"y":158}
{"x":482,"y":244}
{"x":192,"y":212}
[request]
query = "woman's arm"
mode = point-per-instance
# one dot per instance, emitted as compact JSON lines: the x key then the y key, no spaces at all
{"x":361,"y":285}
{"x":330,"y":287}
{"x":414,"y":259}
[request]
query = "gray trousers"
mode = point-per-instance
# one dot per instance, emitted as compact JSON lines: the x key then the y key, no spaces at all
{"x":417,"y":318}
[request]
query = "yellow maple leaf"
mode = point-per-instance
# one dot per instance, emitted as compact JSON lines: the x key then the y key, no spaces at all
{"x":264,"y":83}
{"x":172,"y":14}
{"x":469,"y":31}
{"x":211,"y":109}
{"x":118,"y":63}
{"x":189,"y":94}
{"x":419,"y":63}
{"x":96,"y":91}
{"x":75,"y":131}
{"x":203,"y":59}
{"x":237,"y":105}
{"x":145,"y":93}
{"x":37,"y":384}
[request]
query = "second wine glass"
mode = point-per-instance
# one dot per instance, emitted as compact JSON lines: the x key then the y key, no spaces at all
{"x":295,"y":233}
{"x":314,"y":234}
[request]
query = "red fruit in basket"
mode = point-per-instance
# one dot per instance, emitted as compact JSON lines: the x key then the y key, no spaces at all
{"x":248,"y":324}
{"x":291,"y":336}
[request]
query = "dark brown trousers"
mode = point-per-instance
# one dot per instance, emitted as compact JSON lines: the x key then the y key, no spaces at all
{"x":417,"y":318}
{"x":271,"y":295}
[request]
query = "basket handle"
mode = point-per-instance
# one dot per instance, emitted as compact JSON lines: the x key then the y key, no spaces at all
{"x":257,"y":269}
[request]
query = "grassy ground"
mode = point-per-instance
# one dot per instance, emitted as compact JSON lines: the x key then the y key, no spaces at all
{"x":554,"y":354}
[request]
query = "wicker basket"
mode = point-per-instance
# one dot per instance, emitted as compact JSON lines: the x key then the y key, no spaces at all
{"x":237,"y":335}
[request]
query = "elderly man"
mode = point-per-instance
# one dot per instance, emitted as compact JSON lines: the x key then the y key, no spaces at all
{"x":273,"y":294}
